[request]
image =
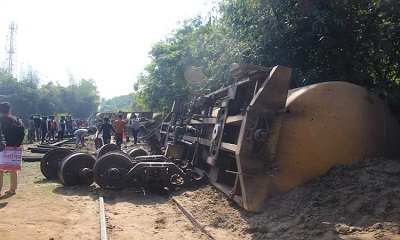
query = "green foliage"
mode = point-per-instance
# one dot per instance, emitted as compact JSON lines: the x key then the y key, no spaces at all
{"x":87,"y":98}
{"x":30,"y":76}
{"x":339,"y":40}
{"x":20,"y":94}
{"x":352,"y":41}
{"x":28,"y":97}
{"x":124,"y":103}
{"x":49,"y":98}
{"x":59,"y":115}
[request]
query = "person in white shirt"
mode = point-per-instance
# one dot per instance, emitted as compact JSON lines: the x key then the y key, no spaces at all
{"x":80,"y":135}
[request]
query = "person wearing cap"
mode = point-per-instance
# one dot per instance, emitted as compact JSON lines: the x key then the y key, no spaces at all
{"x":119,"y":126}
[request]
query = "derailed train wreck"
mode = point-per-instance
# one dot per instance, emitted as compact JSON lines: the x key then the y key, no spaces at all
{"x":233,"y":141}
{"x":253,"y":138}
{"x":222,"y":134}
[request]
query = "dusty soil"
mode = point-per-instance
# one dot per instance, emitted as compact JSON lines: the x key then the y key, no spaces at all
{"x":351,"y":202}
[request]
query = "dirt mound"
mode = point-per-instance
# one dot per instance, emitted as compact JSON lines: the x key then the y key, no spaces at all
{"x":360,"y":200}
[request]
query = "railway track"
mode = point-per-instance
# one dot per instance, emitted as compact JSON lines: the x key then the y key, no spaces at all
{"x":154,"y":214}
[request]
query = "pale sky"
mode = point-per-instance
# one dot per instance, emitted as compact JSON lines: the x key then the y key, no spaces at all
{"x":107,"y":41}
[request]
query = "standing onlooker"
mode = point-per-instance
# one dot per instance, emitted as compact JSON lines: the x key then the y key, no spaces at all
{"x":75,"y":125}
{"x":100,"y":122}
{"x":90,"y":122}
{"x":43,"y":128}
{"x":37,"y":121}
{"x":2,"y":147}
{"x":52,"y":127}
{"x":61,"y":129}
{"x":68,"y":125}
{"x":107,"y":128}
{"x":135,"y":128}
{"x":31,"y":129}
{"x":14,"y":138}
{"x":2,"y":142}
{"x":119,"y":129}
{"x":80,"y":123}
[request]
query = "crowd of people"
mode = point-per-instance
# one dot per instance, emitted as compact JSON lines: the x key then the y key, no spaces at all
{"x":46,"y":128}
{"x":118,"y":128}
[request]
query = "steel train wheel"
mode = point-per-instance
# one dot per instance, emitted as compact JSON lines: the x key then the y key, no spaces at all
{"x":76,"y":169}
{"x":107,"y":148}
{"x":51,"y":161}
{"x":123,"y":153}
{"x":136,"y":152}
{"x":110,"y":170}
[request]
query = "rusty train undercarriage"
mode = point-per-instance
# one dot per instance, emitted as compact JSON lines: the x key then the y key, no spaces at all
{"x":251,"y":139}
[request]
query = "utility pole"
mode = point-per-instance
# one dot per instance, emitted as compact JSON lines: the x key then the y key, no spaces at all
{"x":10,"y":49}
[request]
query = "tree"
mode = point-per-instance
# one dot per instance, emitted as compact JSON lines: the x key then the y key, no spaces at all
{"x":21,"y":95}
{"x":354,"y":41}
{"x":333,"y":40}
{"x":50,"y":100}
{"x":30,"y":76}
{"x":28,"y":97}
{"x":163,"y":81}
{"x":81,"y":100}
{"x":124,"y":103}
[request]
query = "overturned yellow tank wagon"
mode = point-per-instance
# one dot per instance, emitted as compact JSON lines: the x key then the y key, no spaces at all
{"x":329,"y":124}
{"x":256,"y":137}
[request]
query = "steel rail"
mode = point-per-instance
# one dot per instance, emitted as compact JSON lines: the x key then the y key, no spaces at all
{"x":103,"y":232}
{"x":192,"y":219}
{"x":188,"y":215}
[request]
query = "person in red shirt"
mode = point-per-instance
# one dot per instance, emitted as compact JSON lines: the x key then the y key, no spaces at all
{"x":52,"y":126}
{"x":119,"y":127}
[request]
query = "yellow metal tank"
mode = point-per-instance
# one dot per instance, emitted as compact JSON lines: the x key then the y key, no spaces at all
{"x":329,"y":124}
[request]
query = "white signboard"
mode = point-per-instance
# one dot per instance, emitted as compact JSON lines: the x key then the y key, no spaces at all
{"x":11,"y":159}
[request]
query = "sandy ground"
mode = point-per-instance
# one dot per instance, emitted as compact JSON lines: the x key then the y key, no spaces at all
{"x":44,"y":209}
{"x":350,"y":202}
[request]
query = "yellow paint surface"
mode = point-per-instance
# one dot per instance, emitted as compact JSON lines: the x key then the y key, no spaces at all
{"x":329,"y":124}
